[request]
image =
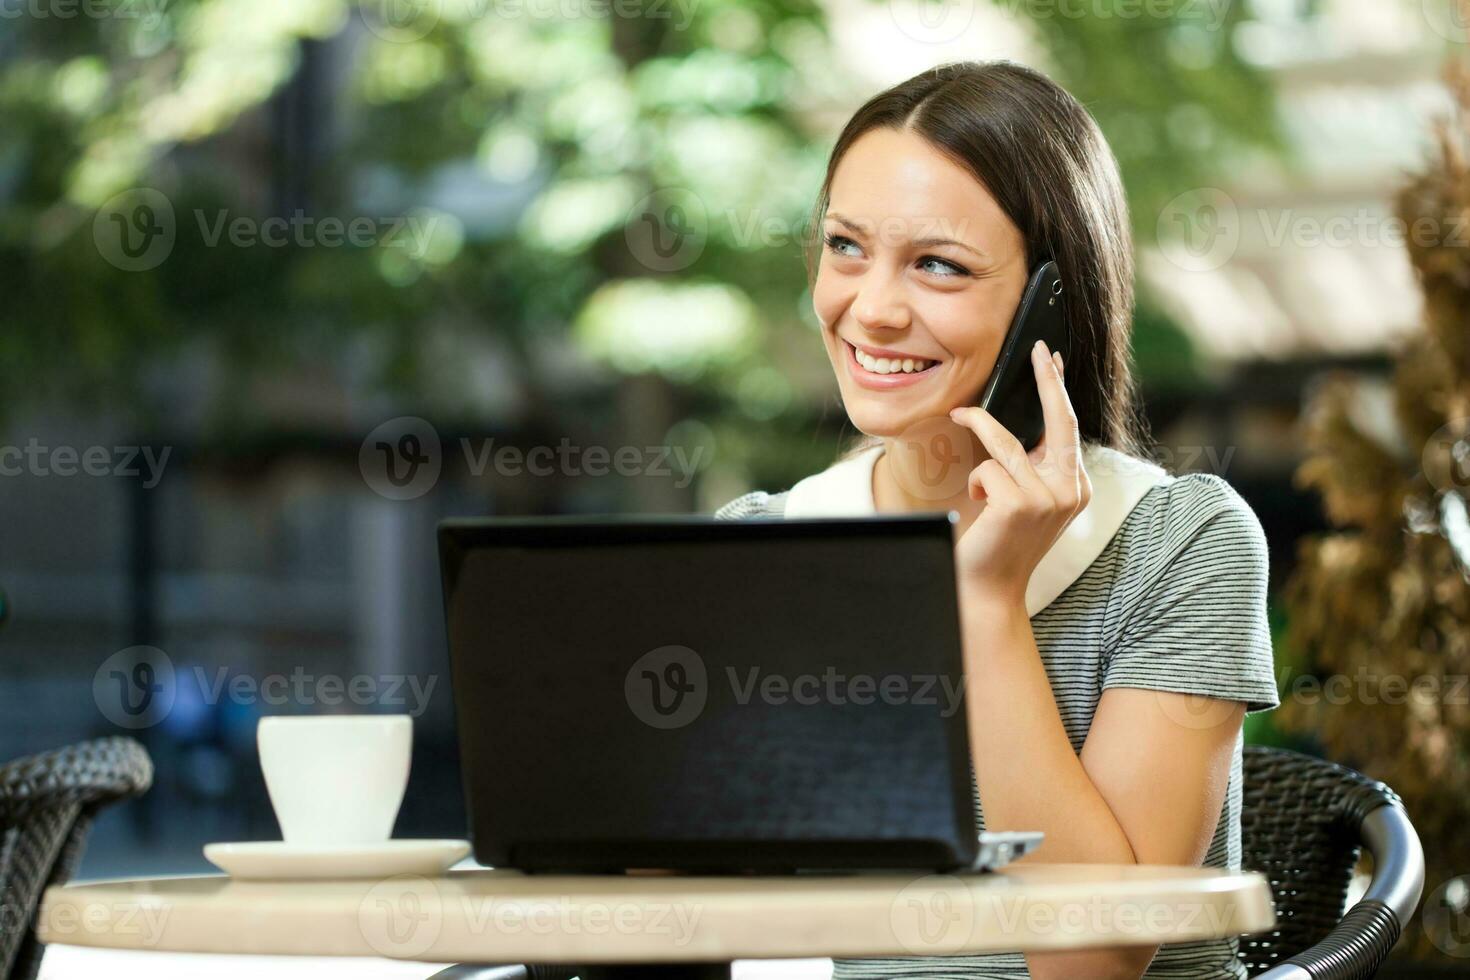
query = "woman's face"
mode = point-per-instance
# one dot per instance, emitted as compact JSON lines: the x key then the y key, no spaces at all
{"x":920,"y":276}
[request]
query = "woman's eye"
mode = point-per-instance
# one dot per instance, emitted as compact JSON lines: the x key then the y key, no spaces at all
{"x":946,"y":267}
{"x":837,"y":244}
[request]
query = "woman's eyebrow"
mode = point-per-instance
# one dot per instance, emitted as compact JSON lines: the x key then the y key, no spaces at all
{"x":926,"y":242}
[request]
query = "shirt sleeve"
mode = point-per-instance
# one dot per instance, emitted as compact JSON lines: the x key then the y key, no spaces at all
{"x":1191,"y":601}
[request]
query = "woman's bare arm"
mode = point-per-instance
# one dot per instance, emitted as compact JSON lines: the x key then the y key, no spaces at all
{"x":1147,"y":787}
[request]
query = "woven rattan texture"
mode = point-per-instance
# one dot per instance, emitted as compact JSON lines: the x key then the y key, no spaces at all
{"x":47,"y":803}
{"x":1300,"y":827}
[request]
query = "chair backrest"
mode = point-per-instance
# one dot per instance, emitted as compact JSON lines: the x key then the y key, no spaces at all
{"x":1301,"y":826}
{"x":47,"y":803}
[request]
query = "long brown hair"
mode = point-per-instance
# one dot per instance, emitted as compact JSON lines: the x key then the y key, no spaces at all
{"x":1042,"y":157}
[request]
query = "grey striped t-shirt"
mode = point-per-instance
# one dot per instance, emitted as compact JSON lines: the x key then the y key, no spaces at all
{"x":1176,"y":601}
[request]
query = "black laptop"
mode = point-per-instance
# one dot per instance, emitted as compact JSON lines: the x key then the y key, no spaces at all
{"x":712,"y":696}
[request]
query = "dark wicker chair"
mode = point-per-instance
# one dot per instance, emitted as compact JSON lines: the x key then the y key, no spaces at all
{"x":1302,"y":824}
{"x":47,"y":803}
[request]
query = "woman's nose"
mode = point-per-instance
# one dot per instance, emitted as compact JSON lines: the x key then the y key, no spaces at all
{"x":880,"y":302}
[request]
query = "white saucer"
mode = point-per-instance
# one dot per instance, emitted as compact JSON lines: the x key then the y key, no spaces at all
{"x":279,"y":860}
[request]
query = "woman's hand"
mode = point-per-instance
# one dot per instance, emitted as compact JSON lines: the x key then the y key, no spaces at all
{"x":1030,"y":497}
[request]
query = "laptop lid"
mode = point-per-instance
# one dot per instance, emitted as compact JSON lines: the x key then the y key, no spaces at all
{"x":709,"y":695}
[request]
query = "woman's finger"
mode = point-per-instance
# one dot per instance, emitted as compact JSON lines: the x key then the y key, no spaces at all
{"x":990,"y":481}
{"x":1037,"y":453}
{"x":1003,"y":447}
{"x":1062,"y":468}
{"x":1056,"y":406}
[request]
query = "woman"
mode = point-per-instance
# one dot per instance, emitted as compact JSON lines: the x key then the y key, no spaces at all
{"x":1113,"y":616}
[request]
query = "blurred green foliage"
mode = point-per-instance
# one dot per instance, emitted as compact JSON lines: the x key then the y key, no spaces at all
{"x":521,"y":139}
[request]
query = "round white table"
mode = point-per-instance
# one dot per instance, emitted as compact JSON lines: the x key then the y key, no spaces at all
{"x":615,"y":926}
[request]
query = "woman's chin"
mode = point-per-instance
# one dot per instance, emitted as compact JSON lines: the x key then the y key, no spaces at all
{"x":886,"y":421}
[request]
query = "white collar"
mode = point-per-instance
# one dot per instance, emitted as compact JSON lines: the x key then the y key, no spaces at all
{"x":1119,"y":481}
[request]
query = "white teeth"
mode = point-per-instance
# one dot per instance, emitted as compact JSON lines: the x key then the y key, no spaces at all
{"x":886,"y":365}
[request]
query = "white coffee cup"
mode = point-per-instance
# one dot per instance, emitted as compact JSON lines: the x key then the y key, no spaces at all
{"x":335,"y":779}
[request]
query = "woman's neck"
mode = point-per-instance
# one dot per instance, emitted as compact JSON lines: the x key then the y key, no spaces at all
{"x":912,"y":475}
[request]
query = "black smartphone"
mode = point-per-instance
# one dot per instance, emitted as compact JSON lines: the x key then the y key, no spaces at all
{"x":1011,"y":395}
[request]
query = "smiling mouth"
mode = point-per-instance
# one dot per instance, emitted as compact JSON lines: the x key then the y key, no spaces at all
{"x":896,"y":370}
{"x":891,"y":364}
